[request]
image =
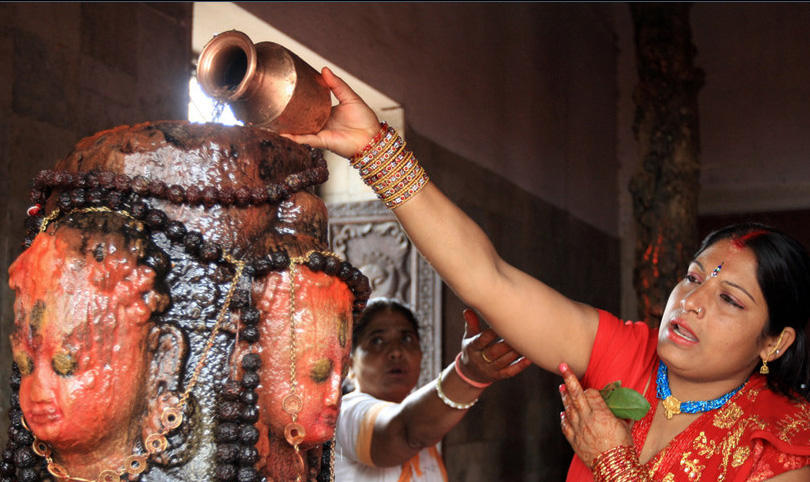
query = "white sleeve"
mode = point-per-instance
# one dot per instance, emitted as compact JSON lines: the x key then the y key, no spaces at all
{"x":355,"y":425}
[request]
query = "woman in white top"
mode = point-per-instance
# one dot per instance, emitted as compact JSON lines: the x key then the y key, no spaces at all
{"x":388,"y":432}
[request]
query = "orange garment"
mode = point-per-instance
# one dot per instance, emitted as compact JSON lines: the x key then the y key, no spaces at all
{"x":756,"y":435}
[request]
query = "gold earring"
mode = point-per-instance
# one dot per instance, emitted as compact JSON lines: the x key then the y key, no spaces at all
{"x":764,"y":370}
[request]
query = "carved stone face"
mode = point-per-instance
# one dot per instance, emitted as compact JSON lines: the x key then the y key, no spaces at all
{"x":82,"y":311}
{"x":323,"y":317}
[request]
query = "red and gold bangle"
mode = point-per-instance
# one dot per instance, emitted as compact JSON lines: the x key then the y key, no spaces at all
{"x":402,"y":182}
{"x":373,"y":149}
{"x":619,"y":464}
{"x":392,"y":167}
{"x":405,"y":166}
{"x":374,"y":157}
{"x":406,"y":194}
{"x":385,"y":161}
{"x":374,"y":140}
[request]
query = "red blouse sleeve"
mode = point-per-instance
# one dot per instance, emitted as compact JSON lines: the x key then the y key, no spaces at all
{"x":623,"y":350}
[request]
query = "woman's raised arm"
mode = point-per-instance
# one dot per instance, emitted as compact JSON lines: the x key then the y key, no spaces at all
{"x":536,"y":320}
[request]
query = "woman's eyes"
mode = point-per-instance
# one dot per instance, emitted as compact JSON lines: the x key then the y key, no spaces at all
{"x":693,"y":278}
{"x":728,"y":299}
{"x":407,"y":340}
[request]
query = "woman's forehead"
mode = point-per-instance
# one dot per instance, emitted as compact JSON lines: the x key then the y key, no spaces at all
{"x":389,"y":321}
{"x":732,"y":264}
{"x":727,"y":252}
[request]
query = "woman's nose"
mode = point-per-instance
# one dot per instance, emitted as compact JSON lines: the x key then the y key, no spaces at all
{"x":395,"y":350}
{"x":693,"y":301}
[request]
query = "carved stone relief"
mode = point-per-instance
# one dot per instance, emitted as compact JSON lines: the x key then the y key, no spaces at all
{"x":368,"y":236}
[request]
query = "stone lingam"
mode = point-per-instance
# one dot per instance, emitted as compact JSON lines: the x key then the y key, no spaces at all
{"x":178,"y":315}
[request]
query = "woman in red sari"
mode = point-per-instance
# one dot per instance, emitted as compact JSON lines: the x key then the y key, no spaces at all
{"x":743,"y":304}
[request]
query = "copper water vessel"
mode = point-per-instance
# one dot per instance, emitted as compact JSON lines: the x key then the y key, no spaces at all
{"x":265,"y":84}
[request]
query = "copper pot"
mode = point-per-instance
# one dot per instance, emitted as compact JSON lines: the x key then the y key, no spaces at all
{"x":265,"y":84}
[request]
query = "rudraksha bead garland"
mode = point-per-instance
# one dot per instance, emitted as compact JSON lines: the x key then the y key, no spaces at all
{"x":18,"y":453}
{"x":236,"y":434}
{"x":113,"y":191}
{"x":96,"y":181}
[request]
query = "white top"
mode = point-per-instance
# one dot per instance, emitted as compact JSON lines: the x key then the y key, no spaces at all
{"x":355,"y":427}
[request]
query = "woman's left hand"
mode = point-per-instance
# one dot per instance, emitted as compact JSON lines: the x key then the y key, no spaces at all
{"x":485,"y":357}
{"x":587,"y":422}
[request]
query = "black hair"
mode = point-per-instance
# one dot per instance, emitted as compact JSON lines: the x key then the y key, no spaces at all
{"x":375,"y":306}
{"x":783,"y":274}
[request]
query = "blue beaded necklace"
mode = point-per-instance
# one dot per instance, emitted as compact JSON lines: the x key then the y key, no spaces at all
{"x":673,"y":406}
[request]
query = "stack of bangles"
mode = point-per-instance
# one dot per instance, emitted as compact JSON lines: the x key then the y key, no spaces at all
{"x":619,"y":464}
{"x":390,"y":169}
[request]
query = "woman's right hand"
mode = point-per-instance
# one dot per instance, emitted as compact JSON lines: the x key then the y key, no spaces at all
{"x":351,"y":125}
{"x":587,"y":422}
{"x":485,"y":357}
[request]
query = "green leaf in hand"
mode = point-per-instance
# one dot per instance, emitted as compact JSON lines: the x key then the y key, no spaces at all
{"x":625,"y":403}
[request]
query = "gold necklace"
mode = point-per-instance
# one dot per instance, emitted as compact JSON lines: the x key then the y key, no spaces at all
{"x":294,"y":432}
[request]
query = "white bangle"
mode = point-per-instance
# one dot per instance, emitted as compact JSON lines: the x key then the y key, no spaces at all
{"x":447,"y":401}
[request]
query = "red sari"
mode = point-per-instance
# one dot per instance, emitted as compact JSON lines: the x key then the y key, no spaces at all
{"x":756,"y":435}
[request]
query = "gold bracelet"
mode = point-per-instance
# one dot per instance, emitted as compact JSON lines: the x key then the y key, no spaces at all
{"x":447,"y":401}
{"x":402,"y":187}
{"x":401,"y":184}
{"x":619,"y":464}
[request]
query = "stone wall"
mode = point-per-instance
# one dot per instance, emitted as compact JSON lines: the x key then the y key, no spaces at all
{"x":69,"y":70}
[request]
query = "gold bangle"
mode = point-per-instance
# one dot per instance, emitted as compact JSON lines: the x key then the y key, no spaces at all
{"x":406,"y":165}
{"x":401,"y":185}
{"x":373,"y":142}
{"x":376,"y":160}
{"x":447,"y":401}
{"x":376,"y":149}
{"x":619,"y":464}
{"x":406,"y":195}
{"x":385,"y":163}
